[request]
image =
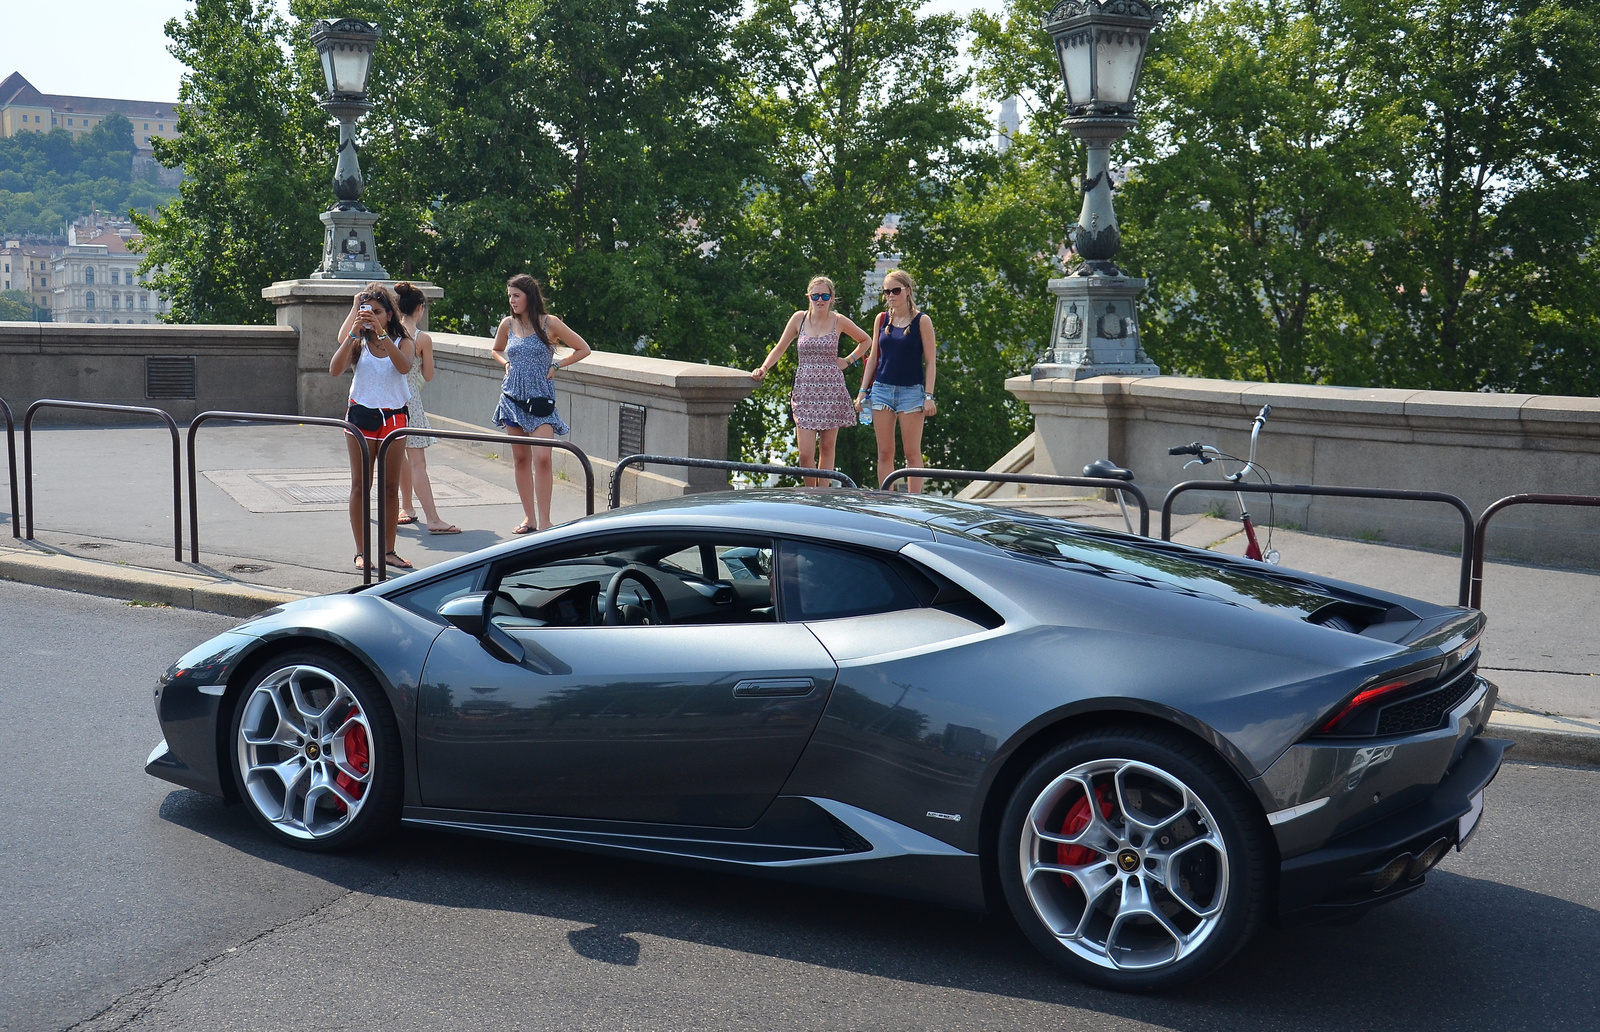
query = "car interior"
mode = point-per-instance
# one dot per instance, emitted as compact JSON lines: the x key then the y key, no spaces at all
{"x":656,"y":583}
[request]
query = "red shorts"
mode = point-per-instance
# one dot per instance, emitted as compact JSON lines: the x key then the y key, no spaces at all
{"x":395,"y":419}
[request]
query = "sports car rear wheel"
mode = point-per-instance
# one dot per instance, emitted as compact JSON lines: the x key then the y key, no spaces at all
{"x":1133,"y":859}
{"x":316,"y":753}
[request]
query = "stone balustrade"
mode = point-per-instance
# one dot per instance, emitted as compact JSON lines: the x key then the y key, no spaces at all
{"x":1478,"y":446}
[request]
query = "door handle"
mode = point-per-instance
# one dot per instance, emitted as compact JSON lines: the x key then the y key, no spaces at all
{"x":773,"y":687}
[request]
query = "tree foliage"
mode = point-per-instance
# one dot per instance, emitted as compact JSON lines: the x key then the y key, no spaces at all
{"x":257,"y":160}
{"x":49,"y":179}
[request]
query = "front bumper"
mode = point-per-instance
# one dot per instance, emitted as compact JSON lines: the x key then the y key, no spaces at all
{"x":1337,"y":881}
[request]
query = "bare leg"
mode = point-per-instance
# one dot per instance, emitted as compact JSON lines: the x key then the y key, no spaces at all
{"x":406,"y":508}
{"x":358,"y":485}
{"x":393,"y":463}
{"x":806,"y":442}
{"x":883,"y":430}
{"x":543,"y":478}
{"x":522,"y":472}
{"x":417,"y":478}
{"x":911,"y":441}
{"x":825,"y":450}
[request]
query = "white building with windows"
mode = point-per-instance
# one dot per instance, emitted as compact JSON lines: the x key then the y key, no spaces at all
{"x":98,"y":282}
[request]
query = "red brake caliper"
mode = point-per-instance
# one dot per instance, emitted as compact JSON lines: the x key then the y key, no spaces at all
{"x":355,"y":751}
{"x":1077,"y":820}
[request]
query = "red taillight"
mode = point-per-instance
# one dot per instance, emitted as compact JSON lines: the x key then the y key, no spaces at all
{"x":1366,"y":696}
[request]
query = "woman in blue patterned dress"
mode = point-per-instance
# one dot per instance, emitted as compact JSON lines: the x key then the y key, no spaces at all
{"x":525,"y":344}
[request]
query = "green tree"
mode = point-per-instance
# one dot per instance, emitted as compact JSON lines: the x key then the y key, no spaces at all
{"x":17,"y":306}
{"x":48,"y":179}
{"x":256,"y":152}
{"x":1493,"y":269}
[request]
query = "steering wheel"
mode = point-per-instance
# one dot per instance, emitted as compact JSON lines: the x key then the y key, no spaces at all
{"x":608,"y":602}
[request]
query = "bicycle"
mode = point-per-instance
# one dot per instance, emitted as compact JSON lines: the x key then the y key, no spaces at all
{"x":1205,"y":454}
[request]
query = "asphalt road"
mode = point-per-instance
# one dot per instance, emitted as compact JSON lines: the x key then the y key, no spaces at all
{"x":128,"y":903}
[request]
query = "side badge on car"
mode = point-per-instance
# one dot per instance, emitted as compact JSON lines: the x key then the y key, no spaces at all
{"x":936,"y":815}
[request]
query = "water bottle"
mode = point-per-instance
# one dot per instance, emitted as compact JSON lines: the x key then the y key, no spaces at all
{"x":865,"y":415}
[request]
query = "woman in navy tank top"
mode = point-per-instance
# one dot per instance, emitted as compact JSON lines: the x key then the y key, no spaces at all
{"x":898,"y":381}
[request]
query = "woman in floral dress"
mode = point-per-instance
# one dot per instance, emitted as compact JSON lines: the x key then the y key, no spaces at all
{"x":820,"y":402}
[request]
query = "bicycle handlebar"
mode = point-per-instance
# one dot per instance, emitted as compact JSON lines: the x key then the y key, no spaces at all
{"x":1187,"y":449}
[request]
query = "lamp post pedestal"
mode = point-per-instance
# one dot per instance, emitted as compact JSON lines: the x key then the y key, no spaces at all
{"x":349,"y":249}
{"x":1096,"y":329}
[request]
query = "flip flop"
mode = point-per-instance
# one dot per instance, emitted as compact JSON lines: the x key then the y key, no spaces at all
{"x":393,"y":559}
{"x":451,"y":529}
{"x":523,"y":528}
{"x":403,"y":520}
{"x":360,"y":565}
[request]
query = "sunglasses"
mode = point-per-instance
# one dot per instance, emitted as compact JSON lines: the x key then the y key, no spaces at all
{"x":821,"y":297}
{"x":892,"y":291}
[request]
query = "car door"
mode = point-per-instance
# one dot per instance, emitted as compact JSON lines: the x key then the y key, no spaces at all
{"x":697,"y":720}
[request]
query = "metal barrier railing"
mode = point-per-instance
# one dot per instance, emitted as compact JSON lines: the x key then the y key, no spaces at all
{"x":1099,"y":483}
{"x":1479,"y":543}
{"x":11,"y":458}
{"x":276,"y":417}
{"x":472,"y":435}
{"x":99,"y":406}
{"x":843,"y":479}
{"x":1223,"y":487}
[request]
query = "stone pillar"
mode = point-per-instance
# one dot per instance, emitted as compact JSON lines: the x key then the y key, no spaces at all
{"x":316,"y":309}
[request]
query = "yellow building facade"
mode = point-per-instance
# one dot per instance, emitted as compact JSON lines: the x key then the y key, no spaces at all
{"x":24,"y":109}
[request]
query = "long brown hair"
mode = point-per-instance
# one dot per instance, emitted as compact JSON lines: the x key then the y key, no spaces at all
{"x":409,"y":297}
{"x":536,"y":313}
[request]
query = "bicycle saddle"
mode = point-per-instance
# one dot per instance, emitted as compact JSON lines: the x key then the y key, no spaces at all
{"x":1105,"y":469}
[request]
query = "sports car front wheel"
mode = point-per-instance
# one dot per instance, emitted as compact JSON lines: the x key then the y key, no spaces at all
{"x":316,"y":753}
{"x":1133,"y":859}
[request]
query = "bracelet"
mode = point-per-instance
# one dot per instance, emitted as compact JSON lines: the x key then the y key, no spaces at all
{"x":926,"y":396}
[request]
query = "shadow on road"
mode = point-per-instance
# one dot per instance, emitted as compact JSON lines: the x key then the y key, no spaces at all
{"x":1454,"y":955}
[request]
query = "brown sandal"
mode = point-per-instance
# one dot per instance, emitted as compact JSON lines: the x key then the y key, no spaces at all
{"x":392,"y":558}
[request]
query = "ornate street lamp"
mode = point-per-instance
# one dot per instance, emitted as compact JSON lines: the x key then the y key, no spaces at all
{"x":1101,"y":46}
{"x":349,"y":249}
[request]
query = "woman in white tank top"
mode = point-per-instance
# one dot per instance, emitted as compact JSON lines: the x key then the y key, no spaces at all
{"x":373,"y":342}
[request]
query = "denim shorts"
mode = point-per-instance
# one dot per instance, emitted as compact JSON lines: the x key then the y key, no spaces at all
{"x":893,"y":397}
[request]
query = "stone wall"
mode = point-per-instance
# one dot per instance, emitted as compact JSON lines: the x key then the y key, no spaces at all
{"x":1477,"y":446}
{"x":684,"y":408}
{"x":234,"y":367}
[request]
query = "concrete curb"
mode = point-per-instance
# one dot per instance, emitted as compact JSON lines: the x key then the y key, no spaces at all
{"x":1545,"y":739}
{"x":185,"y":591}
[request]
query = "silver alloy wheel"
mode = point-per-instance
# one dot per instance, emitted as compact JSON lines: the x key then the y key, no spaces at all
{"x":305,"y":751}
{"x":1124,"y":865}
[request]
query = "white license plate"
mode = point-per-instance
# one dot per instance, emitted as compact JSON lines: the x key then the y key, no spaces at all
{"x":1469,"y":821}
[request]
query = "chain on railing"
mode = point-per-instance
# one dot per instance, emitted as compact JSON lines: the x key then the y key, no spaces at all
{"x":1099,"y":483}
{"x":11,"y":459}
{"x":99,"y":406}
{"x":735,"y":467}
{"x":472,"y":435}
{"x":278,"y":417}
{"x":1480,"y":535}
{"x":1393,"y":494}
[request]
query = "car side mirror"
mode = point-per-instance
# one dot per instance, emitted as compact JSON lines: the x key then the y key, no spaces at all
{"x":468,"y":612}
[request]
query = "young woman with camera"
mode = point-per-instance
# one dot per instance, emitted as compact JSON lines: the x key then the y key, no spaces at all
{"x":525,"y":344}
{"x":373,"y":342}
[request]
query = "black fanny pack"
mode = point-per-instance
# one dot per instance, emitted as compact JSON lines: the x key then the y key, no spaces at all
{"x":364,"y":418}
{"x":538,"y":408}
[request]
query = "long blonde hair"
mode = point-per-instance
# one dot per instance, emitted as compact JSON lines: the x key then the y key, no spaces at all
{"x":813,"y":286}
{"x":903,"y":278}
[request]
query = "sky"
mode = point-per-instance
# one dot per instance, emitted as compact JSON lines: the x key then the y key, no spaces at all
{"x":126,"y":50}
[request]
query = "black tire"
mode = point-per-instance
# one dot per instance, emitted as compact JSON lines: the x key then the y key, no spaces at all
{"x":356,"y":728}
{"x":1213,"y":854}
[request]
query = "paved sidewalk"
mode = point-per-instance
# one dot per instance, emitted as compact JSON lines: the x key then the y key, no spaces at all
{"x":103,"y":524}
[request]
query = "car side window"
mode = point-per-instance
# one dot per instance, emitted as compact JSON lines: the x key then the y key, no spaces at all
{"x":669,"y":579}
{"x":426,"y":599}
{"x":824,"y":583}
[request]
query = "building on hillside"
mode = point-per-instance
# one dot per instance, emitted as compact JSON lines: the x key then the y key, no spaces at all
{"x":95,"y":278}
{"x":1007,"y":123}
{"x":888,"y":260}
{"x":24,"y":109}
{"x":27,"y":267}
